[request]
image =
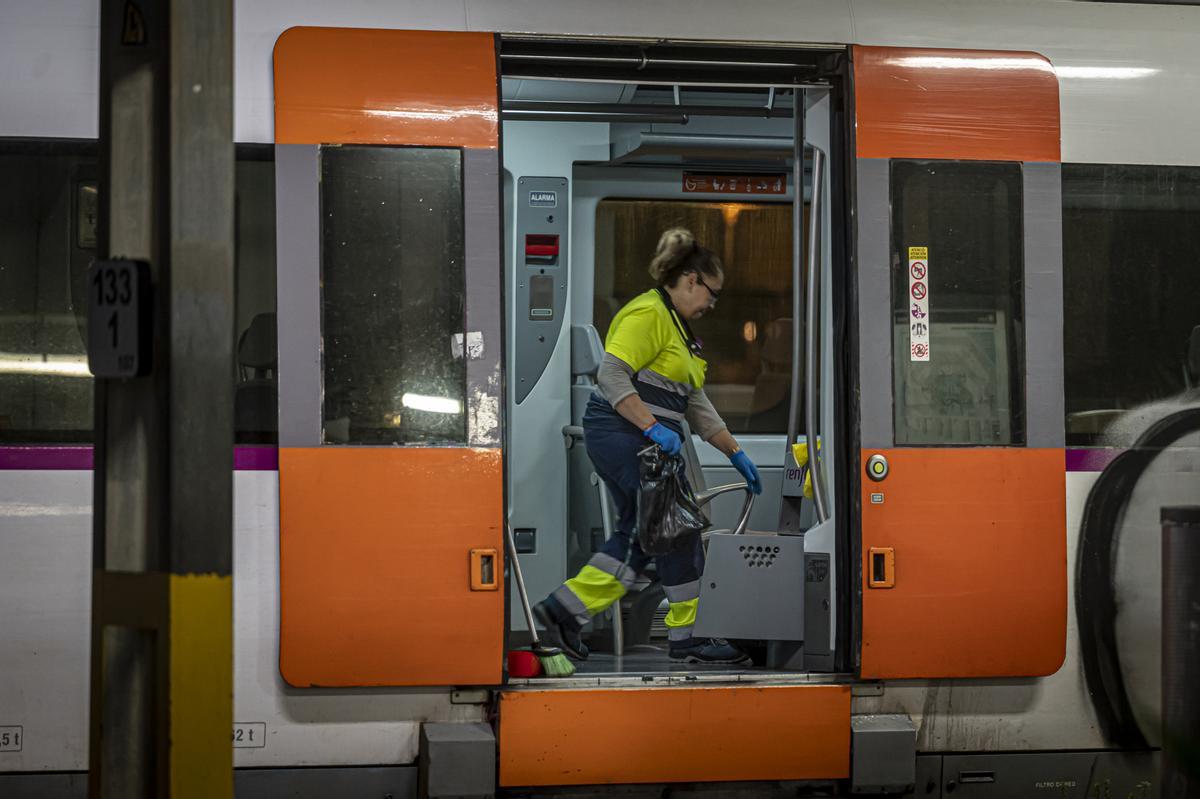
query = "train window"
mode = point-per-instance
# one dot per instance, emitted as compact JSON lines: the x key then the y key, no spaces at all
{"x":393,"y":293}
{"x":747,"y":338}
{"x":47,"y":240}
{"x":1131,"y":247}
{"x":958,"y":265}
{"x":255,"y":387}
{"x":48,"y":219}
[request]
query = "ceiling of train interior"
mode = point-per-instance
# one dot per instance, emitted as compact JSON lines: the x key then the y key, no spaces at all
{"x":667,"y":62}
{"x":557,"y":100}
{"x":668,"y":102}
{"x":666,"y":125}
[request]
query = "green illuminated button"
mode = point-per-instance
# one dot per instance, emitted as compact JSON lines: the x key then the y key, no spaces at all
{"x":877,"y":467}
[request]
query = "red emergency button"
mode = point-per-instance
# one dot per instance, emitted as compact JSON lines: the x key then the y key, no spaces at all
{"x":541,"y":246}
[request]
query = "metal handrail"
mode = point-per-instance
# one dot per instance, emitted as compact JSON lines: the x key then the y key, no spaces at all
{"x":705,"y":497}
{"x":793,"y":426}
{"x":606,"y":521}
{"x":572,"y":433}
{"x":812,"y":335}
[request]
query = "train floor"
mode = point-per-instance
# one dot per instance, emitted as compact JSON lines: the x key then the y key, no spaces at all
{"x":650,"y":660}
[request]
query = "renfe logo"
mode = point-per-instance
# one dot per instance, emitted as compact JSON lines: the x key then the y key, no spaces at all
{"x":543,"y":199}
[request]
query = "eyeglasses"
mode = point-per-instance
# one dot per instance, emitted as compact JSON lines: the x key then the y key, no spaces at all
{"x":716,"y":295}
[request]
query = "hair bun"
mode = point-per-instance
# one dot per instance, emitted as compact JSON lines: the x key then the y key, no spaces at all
{"x":673,"y":246}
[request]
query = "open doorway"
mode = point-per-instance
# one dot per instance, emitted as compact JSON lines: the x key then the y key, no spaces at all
{"x":605,"y":145}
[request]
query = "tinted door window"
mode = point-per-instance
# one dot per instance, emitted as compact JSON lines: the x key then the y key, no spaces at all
{"x":963,"y":223}
{"x":393,"y":293}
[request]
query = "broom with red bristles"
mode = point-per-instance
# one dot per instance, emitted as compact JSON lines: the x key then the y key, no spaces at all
{"x":551,"y":659}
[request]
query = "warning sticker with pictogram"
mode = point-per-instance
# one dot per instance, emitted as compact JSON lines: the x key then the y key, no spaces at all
{"x":918,"y":289}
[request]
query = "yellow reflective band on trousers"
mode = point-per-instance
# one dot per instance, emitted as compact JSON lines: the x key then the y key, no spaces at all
{"x":683,"y":614}
{"x":595,"y":589}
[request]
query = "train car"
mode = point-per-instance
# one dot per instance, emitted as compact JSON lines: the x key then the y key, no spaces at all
{"x":960,"y":254}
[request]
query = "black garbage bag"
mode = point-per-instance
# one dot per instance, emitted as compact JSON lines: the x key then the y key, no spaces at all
{"x":669,"y":518}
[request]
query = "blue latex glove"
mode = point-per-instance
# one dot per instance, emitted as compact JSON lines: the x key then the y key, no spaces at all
{"x":665,"y":437}
{"x":741,"y":461}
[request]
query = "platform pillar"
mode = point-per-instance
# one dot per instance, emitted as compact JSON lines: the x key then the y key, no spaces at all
{"x":1181,"y":651}
{"x":161,"y":664}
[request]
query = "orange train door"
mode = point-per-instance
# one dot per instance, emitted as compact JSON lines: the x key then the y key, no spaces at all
{"x":959,"y":270}
{"x":389,"y":323}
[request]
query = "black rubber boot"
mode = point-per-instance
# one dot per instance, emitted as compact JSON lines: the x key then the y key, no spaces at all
{"x":556,"y":633}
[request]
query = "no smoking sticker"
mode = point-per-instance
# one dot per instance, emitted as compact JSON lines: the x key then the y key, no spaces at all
{"x":918,"y":288}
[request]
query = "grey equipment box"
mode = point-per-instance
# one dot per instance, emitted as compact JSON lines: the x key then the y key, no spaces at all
{"x":457,"y":760}
{"x":752,"y":588}
{"x":883,"y":755}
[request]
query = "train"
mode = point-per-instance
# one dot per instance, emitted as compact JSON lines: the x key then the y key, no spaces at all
{"x":959,"y":246}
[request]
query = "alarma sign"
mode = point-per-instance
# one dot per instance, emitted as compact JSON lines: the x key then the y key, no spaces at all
{"x":918,"y":303}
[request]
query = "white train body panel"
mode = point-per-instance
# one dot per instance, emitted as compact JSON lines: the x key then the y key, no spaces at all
{"x":1126,"y":72}
{"x":45,"y":593}
{"x":45,"y":616}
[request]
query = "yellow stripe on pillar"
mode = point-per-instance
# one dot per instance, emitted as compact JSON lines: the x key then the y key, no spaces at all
{"x":201,"y":686}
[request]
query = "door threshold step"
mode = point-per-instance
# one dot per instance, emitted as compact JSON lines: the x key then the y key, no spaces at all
{"x":681,"y":678}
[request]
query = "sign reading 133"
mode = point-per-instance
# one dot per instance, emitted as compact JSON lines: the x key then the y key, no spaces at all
{"x":120,"y":319}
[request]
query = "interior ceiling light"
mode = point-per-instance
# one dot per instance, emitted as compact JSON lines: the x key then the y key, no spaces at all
{"x":15,"y":363}
{"x":424,"y":402}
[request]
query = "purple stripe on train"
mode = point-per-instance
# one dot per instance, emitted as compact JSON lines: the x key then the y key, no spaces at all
{"x":54,"y":458}
{"x":1090,"y":460}
{"x":256,"y":459}
{"x":245,"y":459}
{"x":249,"y":459}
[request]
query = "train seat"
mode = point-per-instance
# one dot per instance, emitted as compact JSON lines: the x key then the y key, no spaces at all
{"x":773,"y":385}
{"x":256,"y":394}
